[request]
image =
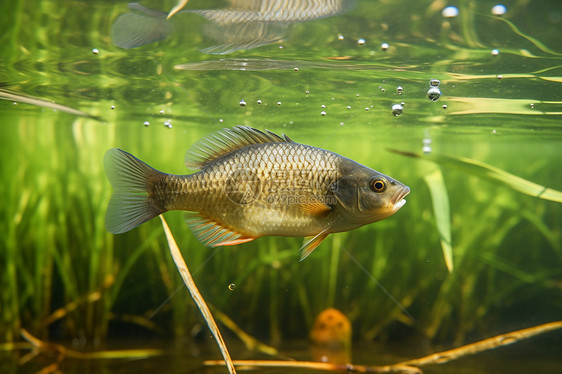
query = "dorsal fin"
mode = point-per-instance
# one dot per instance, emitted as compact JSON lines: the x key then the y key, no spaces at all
{"x":226,"y":141}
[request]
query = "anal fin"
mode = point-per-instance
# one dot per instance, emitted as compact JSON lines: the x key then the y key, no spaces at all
{"x":241,"y":240}
{"x":211,"y":233}
{"x":311,"y":244}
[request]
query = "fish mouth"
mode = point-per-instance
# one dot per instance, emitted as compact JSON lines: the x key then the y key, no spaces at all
{"x":397,"y":201}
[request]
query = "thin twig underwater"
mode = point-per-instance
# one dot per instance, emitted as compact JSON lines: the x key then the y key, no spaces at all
{"x":196,"y":295}
{"x":32,"y":100}
{"x":408,"y":366}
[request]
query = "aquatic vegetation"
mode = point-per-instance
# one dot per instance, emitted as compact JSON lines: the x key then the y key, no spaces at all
{"x":442,"y":211}
{"x":485,"y":171}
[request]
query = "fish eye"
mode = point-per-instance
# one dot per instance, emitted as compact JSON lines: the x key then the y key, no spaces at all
{"x":377,"y":184}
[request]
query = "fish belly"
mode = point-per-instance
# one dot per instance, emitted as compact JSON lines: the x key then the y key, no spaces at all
{"x":280,"y":221}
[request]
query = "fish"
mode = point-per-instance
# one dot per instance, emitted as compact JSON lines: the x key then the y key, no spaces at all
{"x":246,"y":24}
{"x":250,"y":183}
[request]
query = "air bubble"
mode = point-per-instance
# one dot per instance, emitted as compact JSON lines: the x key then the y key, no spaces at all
{"x":361,"y":41}
{"x":340,"y":37}
{"x":322,"y":113}
{"x":307,"y":92}
{"x":532,"y":106}
{"x":399,"y":89}
{"x":397,"y":110}
{"x":168,"y":124}
{"x":259,"y":101}
{"x":499,"y":76}
{"x":348,"y":107}
{"x":444,"y":106}
{"x":434,"y":82}
{"x":161,"y":112}
{"x":495,"y":52}
{"x":112,"y":107}
{"x":242,"y":103}
{"x":426,"y":146}
{"x":322,"y":106}
{"x":95,"y":51}
{"x":384,"y":46}
{"x":146,"y":123}
{"x":366,"y":109}
{"x":499,"y":10}
{"x":296,"y":69}
{"x":278,"y":103}
{"x":231,"y":286}
{"x":433,"y":93}
{"x":450,"y":12}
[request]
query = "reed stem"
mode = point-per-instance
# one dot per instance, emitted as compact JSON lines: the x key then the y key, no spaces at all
{"x":196,"y":295}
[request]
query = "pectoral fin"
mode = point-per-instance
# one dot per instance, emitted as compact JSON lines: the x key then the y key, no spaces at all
{"x":316,"y":208}
{"x":311,"y":244}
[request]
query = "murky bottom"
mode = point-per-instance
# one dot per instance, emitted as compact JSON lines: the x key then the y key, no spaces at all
{"x":537,"y":355}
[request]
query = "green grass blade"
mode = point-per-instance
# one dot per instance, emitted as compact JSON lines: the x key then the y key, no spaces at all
{"x":442,"y":211}
{"x":485,"y":171}
{"x":537,"y":43}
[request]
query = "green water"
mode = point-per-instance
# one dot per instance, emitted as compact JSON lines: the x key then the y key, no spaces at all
{"x":390,"y":278}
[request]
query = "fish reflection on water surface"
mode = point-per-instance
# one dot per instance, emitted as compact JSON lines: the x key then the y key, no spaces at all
{"x":250,"y":184}
{"x":246,"y":24}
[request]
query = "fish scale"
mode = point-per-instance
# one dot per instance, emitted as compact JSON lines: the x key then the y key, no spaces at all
{"x":273,"y":174}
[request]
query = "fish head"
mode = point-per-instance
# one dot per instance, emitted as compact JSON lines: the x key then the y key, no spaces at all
{"x":367,"y":196}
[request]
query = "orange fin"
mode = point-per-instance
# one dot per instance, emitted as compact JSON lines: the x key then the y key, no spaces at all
{"x":310,"y":245}
{"x":236,"y":241}
{"x":211,"y":233}
{"x":316,"y":208}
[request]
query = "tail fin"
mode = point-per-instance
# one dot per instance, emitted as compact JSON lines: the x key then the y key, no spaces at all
{"x":140,"y":27}
{"x":131,"y":203}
